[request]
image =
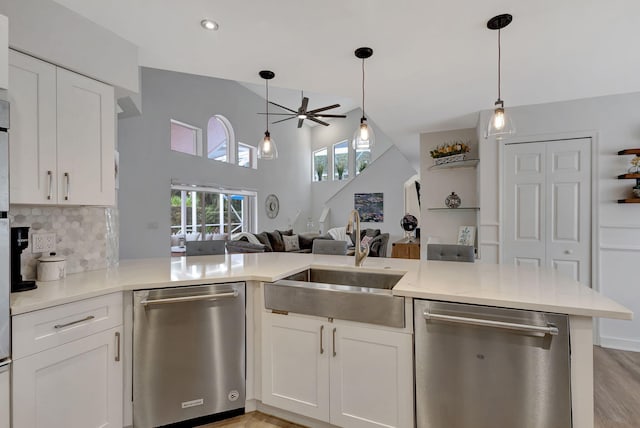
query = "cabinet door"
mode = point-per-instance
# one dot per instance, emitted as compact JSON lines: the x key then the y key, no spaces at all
{"x":295,"y":365}
{"x":5,"y":421}
{"x":371,"y":378}
{"x":86,"y":141}
{"x":76,"y":385}
{"x":32,"y":132}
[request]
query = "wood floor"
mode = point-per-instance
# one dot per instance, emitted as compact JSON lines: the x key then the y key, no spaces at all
{"x":616,"y":388}
{"x":616,"y":395}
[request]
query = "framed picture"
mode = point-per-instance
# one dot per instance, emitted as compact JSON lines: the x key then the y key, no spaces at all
{"x":370,"y":206}
{"x":466,"y":235}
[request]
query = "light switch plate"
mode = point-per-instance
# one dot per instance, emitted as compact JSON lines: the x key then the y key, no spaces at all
{"x":43,"y":242}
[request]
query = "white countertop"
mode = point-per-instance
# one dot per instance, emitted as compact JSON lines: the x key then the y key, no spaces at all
{"x":486,"y":284}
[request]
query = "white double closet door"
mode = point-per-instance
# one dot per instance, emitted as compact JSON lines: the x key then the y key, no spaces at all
{"x":547,"y":206}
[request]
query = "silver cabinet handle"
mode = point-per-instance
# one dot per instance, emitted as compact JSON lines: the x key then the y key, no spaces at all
{"x":67,"y":177}
{"x":117,"y":358}
{"x":321,"y":334}
{"x":552,"y":330}
{"x":334,"y":342}
{"x":50,"y":176}
{"x":189,"y":298}
{"x":59,"y":326}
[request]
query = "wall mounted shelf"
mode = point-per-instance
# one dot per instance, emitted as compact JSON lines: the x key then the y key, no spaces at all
{"x":632,"y":176}
{"x":455,"y":209}
{"x":469,"y":163}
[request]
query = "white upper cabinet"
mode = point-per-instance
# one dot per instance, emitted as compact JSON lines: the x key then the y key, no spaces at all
{"x":4,"y":48}
{"x":62,"y":136}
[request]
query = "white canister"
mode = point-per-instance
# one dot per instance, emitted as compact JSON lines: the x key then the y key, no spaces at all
{"x":51,"y":268}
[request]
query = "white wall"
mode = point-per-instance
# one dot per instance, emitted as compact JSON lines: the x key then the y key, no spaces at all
{"x":49,"y":31}
{"x":442,"y":226}
{"x":614,"y":121}
{"x":147,"y":164}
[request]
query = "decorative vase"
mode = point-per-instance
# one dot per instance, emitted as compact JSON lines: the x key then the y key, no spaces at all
{"x":636,"y":192}
{"x":453,"y":200}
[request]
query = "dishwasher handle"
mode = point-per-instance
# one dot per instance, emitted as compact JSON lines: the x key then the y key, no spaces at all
{"x":184,"y":299}
{"x":550,"y":329}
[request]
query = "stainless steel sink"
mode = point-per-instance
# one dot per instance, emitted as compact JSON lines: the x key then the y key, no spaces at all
{"x":347,"y":295}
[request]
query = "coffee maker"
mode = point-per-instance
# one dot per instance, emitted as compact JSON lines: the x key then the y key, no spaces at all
{"x":19,"y":241}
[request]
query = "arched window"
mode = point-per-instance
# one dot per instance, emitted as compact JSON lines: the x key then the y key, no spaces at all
{"x":221,"y":140}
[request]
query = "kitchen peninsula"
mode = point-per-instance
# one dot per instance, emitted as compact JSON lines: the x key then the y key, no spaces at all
{"x":470,"y":283}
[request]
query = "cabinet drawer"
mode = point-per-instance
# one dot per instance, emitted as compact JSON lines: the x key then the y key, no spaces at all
{"x":39,"y":330}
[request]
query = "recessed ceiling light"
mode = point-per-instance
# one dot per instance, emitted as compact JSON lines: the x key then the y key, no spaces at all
{"x":208,"y":24}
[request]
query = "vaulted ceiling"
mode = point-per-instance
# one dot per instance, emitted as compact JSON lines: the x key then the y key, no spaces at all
{"x":434,"y":62}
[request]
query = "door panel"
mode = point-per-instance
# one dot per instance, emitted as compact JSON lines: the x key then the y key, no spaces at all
{"x":295,"y":365}
{"x":528,"y":212}
{"x":32,"y":135}
{"x":547,"y":206}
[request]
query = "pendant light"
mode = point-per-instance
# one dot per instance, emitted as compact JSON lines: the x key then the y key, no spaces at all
{"x":267,"y":147}
{"x":500,"y":123}
{"x":364,"y":137}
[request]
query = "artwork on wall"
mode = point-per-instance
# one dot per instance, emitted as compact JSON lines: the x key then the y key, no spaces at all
{"x":466,"y":235}
{"x":370,"y":206}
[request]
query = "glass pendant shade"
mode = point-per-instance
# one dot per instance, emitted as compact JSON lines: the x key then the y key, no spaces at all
{"x":500,"y":124}
{"x":267,"y":148}
{"x":364,"y":137}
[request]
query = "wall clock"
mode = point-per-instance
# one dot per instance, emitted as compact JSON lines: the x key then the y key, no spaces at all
{"x":272,"y":206}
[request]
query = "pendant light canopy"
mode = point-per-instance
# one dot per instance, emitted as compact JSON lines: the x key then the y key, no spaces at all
{"x":267,"y":147}
{"x":500,"y":123}
{"x":364,"y":137}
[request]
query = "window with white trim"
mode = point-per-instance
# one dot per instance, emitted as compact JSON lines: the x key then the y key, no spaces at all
{"x":201,"y":213}
{"x":341,"y":160}
{"x":186,"y":138}
{"x":363,"y":159}
{"x":220,"y":139}
{"x":247,"y":156}
{"x":320,"y":165}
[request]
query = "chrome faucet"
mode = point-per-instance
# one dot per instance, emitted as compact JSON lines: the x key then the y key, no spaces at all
{"x":360,"y":254}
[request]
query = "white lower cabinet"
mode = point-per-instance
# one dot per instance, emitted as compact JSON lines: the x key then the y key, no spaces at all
{"x":337,"y":372}
{"x":5,"y":421}
{"x":75,"y":385}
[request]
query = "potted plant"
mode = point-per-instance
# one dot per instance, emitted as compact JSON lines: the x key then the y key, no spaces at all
{"x":340,"y":169}
{"x":362,"y":166}
{"x":453,"y":151}
{"x":319,"y":171}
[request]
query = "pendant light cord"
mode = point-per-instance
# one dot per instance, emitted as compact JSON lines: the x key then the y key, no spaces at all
{"x":499,"y":58}
{"x":266,"y":101}
{"x":363,"y":115}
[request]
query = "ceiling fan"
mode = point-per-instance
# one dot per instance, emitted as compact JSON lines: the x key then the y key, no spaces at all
{"x":302,"y":113}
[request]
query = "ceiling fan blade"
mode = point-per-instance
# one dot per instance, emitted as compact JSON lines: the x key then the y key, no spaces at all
{"x":282,"y":107}
{"x":282,"y":120}
{"x":303,"y":107}
{"x":318,"y":121}
{"x":280,"y":114}
{"x":324,"y":108}
{"x":300,"y":122}
{"x":327,"y":115}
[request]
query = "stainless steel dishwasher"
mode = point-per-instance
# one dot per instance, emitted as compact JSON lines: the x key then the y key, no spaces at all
{"x":188,"y":353}
{"x":486,"y":367}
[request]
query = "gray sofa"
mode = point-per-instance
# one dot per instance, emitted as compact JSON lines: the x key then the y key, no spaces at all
{"x":273,"y":242}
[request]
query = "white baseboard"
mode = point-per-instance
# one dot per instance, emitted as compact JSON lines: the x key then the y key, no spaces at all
{"x":622,"y":344}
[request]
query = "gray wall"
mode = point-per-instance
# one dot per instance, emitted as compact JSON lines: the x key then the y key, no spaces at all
{"x":147,"y":165}
{"x":50,"y":31}
{"x":614,"y":122}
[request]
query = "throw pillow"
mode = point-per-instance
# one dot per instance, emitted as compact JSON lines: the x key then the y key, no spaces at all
{"x":285,"y":232}
{"x":291,"y":243}
{"x":277,"y":244}
{"x":263,"y":237}
{"x":365,"y":241}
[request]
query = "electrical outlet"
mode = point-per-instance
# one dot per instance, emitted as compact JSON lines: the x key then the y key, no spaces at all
{"x":43,"y":242}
